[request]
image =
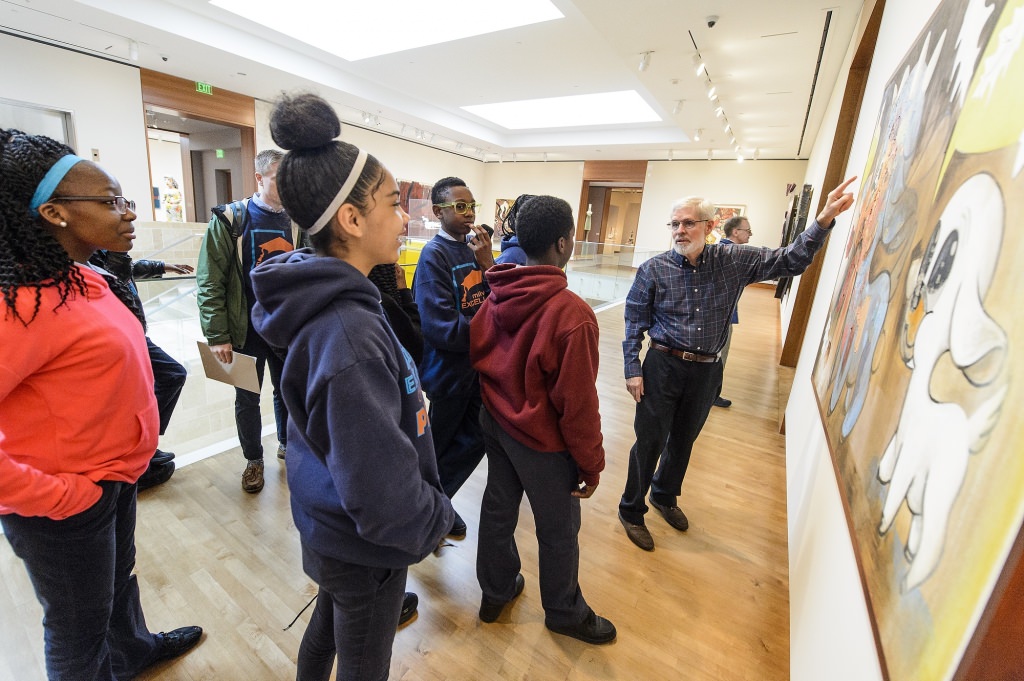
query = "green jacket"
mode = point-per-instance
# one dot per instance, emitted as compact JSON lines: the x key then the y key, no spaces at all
{"x":223,"y":312}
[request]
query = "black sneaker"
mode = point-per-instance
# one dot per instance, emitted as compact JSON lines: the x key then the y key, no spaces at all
{"x":161,"y":457}
{"x":409,"y":605}
{"x":594,"y":629}
{"x":459,"y":528}
{"x":156,"y":475}
{"x":490,"y":611}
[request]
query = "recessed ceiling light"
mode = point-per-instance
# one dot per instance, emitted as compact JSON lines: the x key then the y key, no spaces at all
{"x":356,"y":31}
{"x":603,"y":108}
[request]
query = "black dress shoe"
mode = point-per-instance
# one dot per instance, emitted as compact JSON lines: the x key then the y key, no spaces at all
{"x":156,"y":475}
{"x":409,"y":604}
{"x":722,"y":402}
{"x":594,"y":629}
{"x":638,"y":534}
{"x":674,"y":515}
{"x":490,"y":611}
{"x":177,"y":642}
{"x":161,"y":457}
{"x":458,"y":530}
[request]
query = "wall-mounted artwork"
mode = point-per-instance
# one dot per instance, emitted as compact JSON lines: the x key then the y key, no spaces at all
{"x":724,"y":211}
{"x":501,"y":209}
{"x":915,"y":376}
{"x":414,"y":198}
{"x":796,"y":222}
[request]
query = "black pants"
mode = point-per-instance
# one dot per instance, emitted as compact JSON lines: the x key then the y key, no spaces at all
{"x":168,"y":380}
{"x":678,"y":395}
{"x":458,"y":440}
{"x":248,"y":419}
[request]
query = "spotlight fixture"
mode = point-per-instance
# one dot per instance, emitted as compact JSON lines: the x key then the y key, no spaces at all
{"x":739,"y":158}
{"x":645,"y":60}
{"x":711,"y":154}
{"x":720,"y":112}
{"x":698,"y":63}
{"x":697,"y":136}
{"x":133,"y":50}
{"x":757,"y":154}
{"x":458,"y":145}
{"x":712,"y":90}
{"x":366,"y":118}
{"x":677,"y":107}
{"x":727,"y":127}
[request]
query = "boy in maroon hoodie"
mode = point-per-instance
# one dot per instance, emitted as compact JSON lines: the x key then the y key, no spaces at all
{"x":535,"y":346}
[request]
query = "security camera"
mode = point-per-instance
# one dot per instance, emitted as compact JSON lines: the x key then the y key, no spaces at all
{"x":712,"y":20}
{"x":164,"y":57}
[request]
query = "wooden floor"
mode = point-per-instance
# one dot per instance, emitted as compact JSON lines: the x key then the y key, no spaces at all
{"x":708,"y":604}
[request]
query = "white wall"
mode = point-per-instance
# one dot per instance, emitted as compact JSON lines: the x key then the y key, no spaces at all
{"x":105,"y":100}
{"x":830,"y":633}
{"x":759,"y":185}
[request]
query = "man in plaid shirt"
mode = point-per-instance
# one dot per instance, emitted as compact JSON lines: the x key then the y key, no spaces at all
{"x":684,"y":300}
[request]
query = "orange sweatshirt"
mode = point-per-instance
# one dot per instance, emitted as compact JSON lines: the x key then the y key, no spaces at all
{"x":76,"y":401}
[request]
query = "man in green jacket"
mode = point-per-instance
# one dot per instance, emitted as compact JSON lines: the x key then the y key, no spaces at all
{"x":240,"y":236}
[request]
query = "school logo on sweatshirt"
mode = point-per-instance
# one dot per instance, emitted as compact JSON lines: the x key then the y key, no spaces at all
{"x":472,"y":292}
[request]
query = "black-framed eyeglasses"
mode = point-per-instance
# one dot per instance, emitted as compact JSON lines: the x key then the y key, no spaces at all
{"x":121,"y":204}
{"x":460,"y":207}
{"x":688,"y":224}
{"x":744,"y":229}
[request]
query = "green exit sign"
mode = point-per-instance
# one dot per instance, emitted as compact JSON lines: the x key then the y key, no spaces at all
{"x":204,"y":88}
{"x":220,"y":153}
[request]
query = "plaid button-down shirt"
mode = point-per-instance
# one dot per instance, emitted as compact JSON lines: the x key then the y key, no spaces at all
{"x":690,"y":307}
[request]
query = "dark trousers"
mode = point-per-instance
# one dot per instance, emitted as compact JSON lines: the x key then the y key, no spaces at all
{"x":355,"y":620}
{"x":458,"y":440}
{"x":547,"y":478}
{"x":677,"y":398}
{"x":168,"y":380}
{"x":248,"y":419}
{"x":81,"y":570}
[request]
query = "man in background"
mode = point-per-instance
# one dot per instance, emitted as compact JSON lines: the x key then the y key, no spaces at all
{"x":737,"y":231}
{"x":240,"y":236}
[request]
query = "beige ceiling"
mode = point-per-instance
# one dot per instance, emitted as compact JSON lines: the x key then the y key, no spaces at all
{"x":774,"y":63}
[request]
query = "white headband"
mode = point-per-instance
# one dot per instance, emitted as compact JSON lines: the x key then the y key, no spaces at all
{"x":339,"y":198}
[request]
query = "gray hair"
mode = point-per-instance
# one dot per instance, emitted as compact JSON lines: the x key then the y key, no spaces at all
{"x":267,"y":159}
{"x":705,"y":209}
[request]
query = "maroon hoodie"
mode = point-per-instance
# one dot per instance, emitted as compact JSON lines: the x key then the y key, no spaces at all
{"x":534,"y":343}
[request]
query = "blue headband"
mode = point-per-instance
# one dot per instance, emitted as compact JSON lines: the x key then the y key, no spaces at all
{"x":50,"y":181}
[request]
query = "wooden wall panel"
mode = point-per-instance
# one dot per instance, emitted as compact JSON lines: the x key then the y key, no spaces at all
{"x":223,"y":106}
{"x":615,"y":171}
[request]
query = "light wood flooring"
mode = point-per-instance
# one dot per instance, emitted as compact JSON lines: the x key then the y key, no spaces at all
{"x":711,"y":604}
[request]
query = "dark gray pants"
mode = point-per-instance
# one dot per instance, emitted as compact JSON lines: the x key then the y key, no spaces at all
{"x":547,"y":478}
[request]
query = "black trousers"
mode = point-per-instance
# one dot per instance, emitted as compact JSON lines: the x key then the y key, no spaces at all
{"x":678,"y":395}
{"x":168,"y":380}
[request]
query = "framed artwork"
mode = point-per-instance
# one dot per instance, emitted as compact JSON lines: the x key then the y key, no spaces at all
{"x":796,"y":223}
{"x":724,"y":211}
{"x":501,"y":209}
{"x":414,"y":198}
{"x":914,"y":375}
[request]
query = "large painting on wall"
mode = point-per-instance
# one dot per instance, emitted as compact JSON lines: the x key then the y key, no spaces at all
{"x":915,"y":377}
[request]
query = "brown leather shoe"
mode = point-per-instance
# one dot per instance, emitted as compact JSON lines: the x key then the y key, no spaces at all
{"x":674,"y":515}
{"x":638,"y":534}
{"x":252,"y":476}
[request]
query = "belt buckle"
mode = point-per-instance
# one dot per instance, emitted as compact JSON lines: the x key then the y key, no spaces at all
{"x":689,"y":356}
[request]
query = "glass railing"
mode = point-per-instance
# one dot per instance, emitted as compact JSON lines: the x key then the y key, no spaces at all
{"x":203,"y":422}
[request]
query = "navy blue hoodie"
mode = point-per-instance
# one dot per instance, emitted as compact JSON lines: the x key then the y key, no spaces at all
{"x":361,"y":467}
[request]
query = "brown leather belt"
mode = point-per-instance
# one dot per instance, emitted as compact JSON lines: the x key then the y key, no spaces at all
{"x":684,"y":354}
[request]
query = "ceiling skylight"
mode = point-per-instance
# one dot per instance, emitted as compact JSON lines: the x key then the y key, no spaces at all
{"x":604,"y":108}
{"x":358,"y":30}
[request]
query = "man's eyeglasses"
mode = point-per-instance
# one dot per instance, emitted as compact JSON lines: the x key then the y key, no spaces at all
{"x":744,"y":229}
{"x":688,"y":224}
{"x":121,"y":204}
{"x":460,"y":207}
